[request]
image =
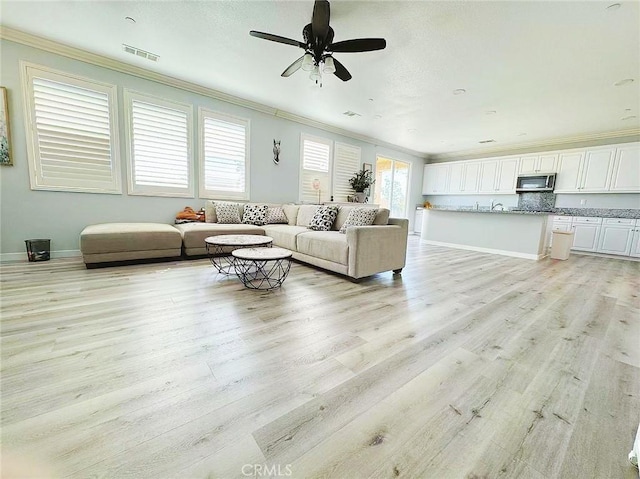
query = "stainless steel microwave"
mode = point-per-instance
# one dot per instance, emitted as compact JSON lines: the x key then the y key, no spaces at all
{"x":536,"y":182}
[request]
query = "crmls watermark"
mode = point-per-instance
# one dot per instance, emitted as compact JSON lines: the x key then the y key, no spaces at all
{"x":260,"y":470}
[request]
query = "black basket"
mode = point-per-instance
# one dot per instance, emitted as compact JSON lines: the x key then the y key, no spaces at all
{"x":38,"y":249}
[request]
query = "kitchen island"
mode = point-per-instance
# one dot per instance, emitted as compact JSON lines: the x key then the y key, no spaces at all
{"x":523,"y":234}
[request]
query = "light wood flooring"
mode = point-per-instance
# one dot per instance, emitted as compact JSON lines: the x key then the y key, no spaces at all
{"x":468,"y":365}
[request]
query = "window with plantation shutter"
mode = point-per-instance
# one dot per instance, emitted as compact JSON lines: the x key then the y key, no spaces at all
{"x":224,"y":156}
{"x":72,"y":133}
{"x":160,"y":160}
{"x":345,"y":165}
{"x":315,"y":168}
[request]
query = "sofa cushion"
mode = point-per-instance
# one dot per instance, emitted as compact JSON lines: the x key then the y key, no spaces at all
{"x":382,"y":217}
{"x":359,"y":217}
{"x":305,"y":214}
{"x":275,"y":215}
{"x":284,"y":236}
{"x":120,"y":237}
{"x":255,"y":214}
{"x":324,"y":218}
{"x":210,"y":212}
{"x":328,"y":245}
{"x":193,"y":234}
{"x":227,"y":213}
{"x":291,"y":211}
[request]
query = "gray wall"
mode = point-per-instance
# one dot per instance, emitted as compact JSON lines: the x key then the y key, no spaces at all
{"x":61,"y":216}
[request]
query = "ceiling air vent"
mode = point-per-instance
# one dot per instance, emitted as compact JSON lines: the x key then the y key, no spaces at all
{"x":140,"y":53}
{"x":487,"y":141}
{"x":351,"y":113}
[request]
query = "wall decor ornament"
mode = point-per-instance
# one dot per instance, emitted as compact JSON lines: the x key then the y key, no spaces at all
{"x":5,"y":131}
{"x":276,"y":151}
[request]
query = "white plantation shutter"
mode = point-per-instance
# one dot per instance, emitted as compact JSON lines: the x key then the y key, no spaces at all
{"x":224,"y":164}
{"x":315,"y":167}
{"x":346,"y":164}
{"x":71,"y":131}
{"x":160,"y":141}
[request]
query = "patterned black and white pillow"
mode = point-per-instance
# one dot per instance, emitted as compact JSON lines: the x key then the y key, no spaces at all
{"x":227,"y":213}
{"x":275,"y":215}
{"x":324,"y":218}
{"x":359,"y":217}
{"x":255,"y":214}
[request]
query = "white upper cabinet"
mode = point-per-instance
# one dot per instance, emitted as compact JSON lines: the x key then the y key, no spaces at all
{"x":456,"y":176}
{"x":596,"y":171}
{"x":532,"y":164}
{"x":434,"y":181}
{"x":508,"y":173}
{"x":488,"y":176}
{"x":569,"y":166}
{"x":626,"y":169}
{"x":471,"y":176}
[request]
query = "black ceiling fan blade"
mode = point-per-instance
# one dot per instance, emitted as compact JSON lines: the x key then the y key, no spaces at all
{"x":341,"y":72}
{"x":294,"y":67}
{"x":358,"y":45}
{"x":320,"y":19}
{"x":277,"y":39}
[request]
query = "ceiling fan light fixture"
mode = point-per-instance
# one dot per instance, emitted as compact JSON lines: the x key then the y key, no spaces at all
{"x":329,"y":65}
{"x":315,"y":74}
{"x":307,"y":63}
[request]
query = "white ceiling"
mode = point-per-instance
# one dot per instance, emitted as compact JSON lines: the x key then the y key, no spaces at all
{"x":546,"y":68}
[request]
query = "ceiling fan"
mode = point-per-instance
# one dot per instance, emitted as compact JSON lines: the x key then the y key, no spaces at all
{"x":319,"y":47}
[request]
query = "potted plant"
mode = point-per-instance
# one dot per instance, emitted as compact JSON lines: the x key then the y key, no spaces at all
{"x":361,"y":181}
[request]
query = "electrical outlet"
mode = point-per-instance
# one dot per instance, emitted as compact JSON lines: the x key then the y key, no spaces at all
{"x":583,"y":201}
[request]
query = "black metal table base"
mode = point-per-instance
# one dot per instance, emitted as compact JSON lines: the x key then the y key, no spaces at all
{"x":221,"y":258}
{"x":262,"y":274}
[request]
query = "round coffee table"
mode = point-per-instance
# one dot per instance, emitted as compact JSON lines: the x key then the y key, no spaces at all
{"x":262,"y":268}
{"x":219,"y":248}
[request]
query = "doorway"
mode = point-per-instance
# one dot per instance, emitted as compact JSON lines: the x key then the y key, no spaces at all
{"x":391,"y":189}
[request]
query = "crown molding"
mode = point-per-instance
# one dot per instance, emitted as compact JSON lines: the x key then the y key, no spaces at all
{"x":632,"y":134}
{"x":74,"y":53}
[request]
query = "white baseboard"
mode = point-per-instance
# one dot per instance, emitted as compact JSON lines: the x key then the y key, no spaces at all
{"x":22,"y":257}
{"x":514,"y":254}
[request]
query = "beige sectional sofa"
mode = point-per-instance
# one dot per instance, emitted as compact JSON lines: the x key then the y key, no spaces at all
{"x":361,"y":252}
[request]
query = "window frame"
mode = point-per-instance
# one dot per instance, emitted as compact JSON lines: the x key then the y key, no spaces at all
{"x":144,"y":190}
{"x":203,"y":192}
{"x":316,"y":139}
{"x":348,"y":146}
{"x":29,"y":71}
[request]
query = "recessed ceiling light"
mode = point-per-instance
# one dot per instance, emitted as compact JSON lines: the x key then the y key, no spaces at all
{"x":370,"y":99}
{"x":377,"y":117}
{"x":490,"y":112}
{"x":613,"y":6}
{"x":130,"y":19}
{"x":487,"y":141}
{"x":522,"y":134}
{"x":411,"y":130}
{"x":630,"y":117}
{"x":459,"y":91}
{"x":626,"y":81}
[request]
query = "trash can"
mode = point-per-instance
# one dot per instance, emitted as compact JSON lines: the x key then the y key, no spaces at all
{"x":38,"y":249}
{"x":562,"y":243}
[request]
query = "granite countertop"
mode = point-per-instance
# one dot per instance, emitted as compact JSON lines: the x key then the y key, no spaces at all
{"x":594,"y":212}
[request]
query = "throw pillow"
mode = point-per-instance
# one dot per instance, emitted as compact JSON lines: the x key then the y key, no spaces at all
{"x":323,"y":218}
{"x":227,"y":213}
{"x":359,"y":217}
{"x":275,"y":215}
{"x":255,"y":214}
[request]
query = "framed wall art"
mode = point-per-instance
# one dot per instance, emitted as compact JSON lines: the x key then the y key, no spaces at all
{"x":5,"y":131}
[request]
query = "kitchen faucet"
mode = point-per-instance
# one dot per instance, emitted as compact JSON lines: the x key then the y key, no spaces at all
{"x":495,"y":205}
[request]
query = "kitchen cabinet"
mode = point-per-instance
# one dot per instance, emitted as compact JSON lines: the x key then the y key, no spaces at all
{"x":616,"y":236}
{"x":487,"y":177}
{"x":434,"y":180}
{"x":507,"y":175}
{"x":471,"y":176}
{"x":626,"y":169}
{"x":456,"y":176}
{"x":586,"y":233}
{"x":538,"y":164}
{"x":587,"y":171}
{"x":635,"y":241}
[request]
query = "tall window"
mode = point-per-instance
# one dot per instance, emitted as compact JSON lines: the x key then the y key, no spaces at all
{"x":391,"y":189}
{"x":315,"y":168}
{"x":224,"y":156}
{"x":346,"y":164}
{"x":160,"y":159}
{"x":72,"y":132}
